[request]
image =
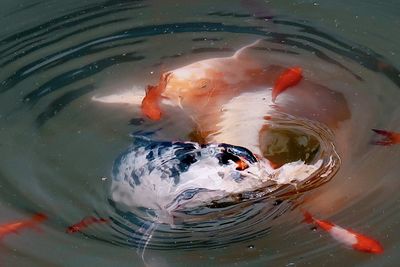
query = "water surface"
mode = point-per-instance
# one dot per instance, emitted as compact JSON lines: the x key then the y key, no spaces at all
{"x":58,"y":146}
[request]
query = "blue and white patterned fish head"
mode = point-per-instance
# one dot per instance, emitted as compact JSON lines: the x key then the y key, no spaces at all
{"x":172,"y":176}
{"x":168,"y":178}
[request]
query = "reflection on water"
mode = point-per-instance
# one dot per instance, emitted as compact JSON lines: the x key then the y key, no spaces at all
{"x":58,"y":146}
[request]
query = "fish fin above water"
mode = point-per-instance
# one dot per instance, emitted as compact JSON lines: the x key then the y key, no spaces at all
{"x":131,"y":97}
{"x":241,"y":52}
{"x":308,"y":218}
{"x":289,"y":78}
{"x":150,"y":104}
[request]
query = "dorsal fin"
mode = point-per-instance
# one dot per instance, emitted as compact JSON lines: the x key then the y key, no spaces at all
{"x":240,"y":52}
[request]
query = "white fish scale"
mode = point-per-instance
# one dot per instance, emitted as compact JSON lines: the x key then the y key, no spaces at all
{"x":204,"y":174}
{"x":193,"y":71}
{"x":343,"y":235}
{"x":234,"y":70}
{"x":241,"y":123}
{"x":243,"y":119}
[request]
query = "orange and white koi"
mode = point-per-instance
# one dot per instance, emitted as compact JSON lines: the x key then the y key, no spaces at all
{"x":202,"y":87}
{"x":15,"y":227}
{"x":84,"y":223}
{"x":347,"y":237}
{"x":226,"y":97}
{"x":290,"y":77}
{"x":389,"y":138}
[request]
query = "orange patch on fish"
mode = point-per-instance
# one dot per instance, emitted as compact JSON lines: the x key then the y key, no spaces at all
{"x":389,"y":138}
{"x":16,"y":226}
{"x":288,"y":78}
{"x":347,"y":237}
{"x":151,"y":102}
{"x":241,"y":165}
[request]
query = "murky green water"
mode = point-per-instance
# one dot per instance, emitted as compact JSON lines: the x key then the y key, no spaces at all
{"x":57,"y":146}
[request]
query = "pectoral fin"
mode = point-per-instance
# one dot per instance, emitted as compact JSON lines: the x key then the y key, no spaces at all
{"x":128,"y":97}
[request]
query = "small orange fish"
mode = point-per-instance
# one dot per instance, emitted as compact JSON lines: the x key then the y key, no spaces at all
{"x":151,"y":102}
{"x":14,"y":227}
{"x":390,"y":138}
{"x":85,"y":222}
{"x":347,"y":237}
{"x":290,"y":77}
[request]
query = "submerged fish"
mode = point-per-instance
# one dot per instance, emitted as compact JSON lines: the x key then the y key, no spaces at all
{"x":84,"y":223}
{"x":171,"y":177}
{"x":389,"y":138}
{"x":347,"y":237}
{"x":15,"y":227}
{"x":228,"y":98}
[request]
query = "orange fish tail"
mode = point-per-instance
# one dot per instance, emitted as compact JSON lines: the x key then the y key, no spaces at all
{"x":389,"y":138}
{"x":382,"y":132}
{"x":150,"y":104}
{"x":308,"y":218}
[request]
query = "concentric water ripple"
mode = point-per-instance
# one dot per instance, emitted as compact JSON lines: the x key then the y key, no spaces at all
{"x":57,"y":146}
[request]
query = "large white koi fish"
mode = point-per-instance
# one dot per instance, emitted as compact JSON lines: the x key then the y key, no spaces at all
{"x":231,"y":97}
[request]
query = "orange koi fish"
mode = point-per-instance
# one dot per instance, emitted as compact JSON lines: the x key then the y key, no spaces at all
{"x":347,"y":237}
{"x":216,"y":93}
{"x":389,"y":138}
{"x":14,"y":227}
{"x":202,"y":87}
{"x":288,"y":78}
{"x":84,"y":223}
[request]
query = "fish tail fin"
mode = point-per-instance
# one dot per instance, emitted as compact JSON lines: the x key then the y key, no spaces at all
{"x":150,"y":105}
{"x":308,"y":218}
{"x":151,"y":102}
{"x":274,"y":94}
{"x":389,"y":138}
{"x":288,"y":78}
{"x":382,"y":132}
{"x":39,"y":217}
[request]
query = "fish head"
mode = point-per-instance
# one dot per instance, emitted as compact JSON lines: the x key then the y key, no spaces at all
{"x":221,"y":173}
